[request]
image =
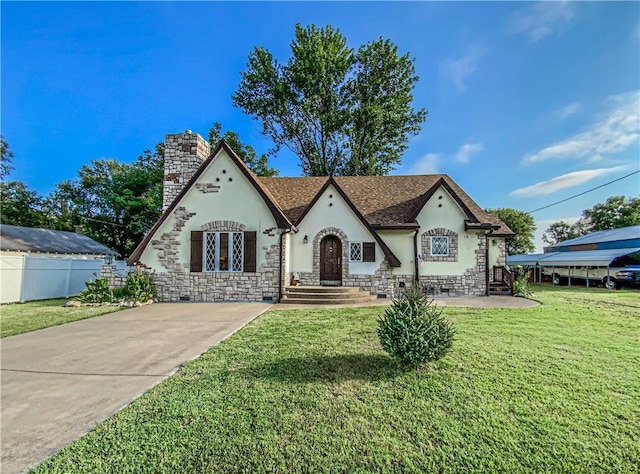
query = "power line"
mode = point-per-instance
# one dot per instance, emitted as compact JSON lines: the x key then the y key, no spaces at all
{"x":103,"y":222}
{"x":585,"y":192}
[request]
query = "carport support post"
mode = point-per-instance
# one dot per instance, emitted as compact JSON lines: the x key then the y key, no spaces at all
{"x":569,"y":280}
{"x":587,"y":267}
{"x":608,"y":278}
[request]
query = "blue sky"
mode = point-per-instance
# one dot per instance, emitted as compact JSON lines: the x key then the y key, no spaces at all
{"x":529,"y":103}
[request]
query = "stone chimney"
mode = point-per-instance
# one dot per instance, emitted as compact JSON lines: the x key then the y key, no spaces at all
{"x":183,"y":155}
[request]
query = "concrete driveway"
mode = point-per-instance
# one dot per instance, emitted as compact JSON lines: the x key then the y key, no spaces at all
{"x":59,"y":382}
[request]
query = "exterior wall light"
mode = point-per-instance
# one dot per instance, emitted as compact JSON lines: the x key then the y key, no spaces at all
{"x":305,"y":240}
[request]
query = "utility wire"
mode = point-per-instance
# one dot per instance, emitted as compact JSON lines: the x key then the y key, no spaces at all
{"x":103,"y":222}
{"x":585,"y":192}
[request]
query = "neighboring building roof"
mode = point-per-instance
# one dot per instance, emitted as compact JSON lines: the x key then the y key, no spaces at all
{"x":623,"y":233}
{"x":599,"y":258}
{"x":30,"y":239}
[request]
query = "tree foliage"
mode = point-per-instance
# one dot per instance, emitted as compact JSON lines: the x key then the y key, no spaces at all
{"x":522,"y":224}
{"x":562,"y":230}
{"x":258,"y":164}
{"x":116,"y":203}
{"x":21,"y":206}
{"x":615,"y":212}
{"x":6,"y":157}
{"x":343,"y":112}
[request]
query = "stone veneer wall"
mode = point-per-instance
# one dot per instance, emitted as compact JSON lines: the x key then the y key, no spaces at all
{"x":383,"y":281}
{"x":440,"y":232}
{"x":470,"y":283}
{"x":183,"y":155}
{"x":222,"y":286}
{"x":114,"y":278}
{"x":167,"y":244}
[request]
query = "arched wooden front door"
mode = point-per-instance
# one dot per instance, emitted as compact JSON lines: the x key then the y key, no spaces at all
{"x":330,"y":261}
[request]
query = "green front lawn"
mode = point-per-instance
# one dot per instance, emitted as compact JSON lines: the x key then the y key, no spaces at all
{"x":547,"y":389}
{"x":25,"y":317}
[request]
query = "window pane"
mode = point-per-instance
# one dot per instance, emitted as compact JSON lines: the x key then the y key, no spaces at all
{"x":224,"y":252}
{"x":237,"y":252}
{"x":355,"y":251}
{"x":210,"y":252}
{"x":440,"y":246}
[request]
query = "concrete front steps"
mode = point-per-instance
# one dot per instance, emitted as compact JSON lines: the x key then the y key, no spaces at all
{"x":325,"y":295}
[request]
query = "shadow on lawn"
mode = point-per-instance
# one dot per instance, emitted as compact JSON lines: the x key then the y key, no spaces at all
{"x":328,"y":368}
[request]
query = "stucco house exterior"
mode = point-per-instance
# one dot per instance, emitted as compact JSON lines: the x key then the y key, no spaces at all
{"x":227,"y":235}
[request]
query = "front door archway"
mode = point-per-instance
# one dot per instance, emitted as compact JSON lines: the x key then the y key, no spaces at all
{"x":330,"y":260}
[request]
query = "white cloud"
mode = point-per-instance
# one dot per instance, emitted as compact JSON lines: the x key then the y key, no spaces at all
{"x":540,"y":19}
{"x":466,"y":150}
{"x":568,"y":110}
{"x":458,"y":70}
{"x":565,"y":181}
{"x":619,"y":129}
{"x":428,"y":164}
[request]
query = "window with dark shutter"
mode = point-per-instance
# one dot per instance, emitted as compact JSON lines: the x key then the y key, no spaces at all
{"x":250,"y":251}
{"x":196,"y":251}
{"x":368,"y":251}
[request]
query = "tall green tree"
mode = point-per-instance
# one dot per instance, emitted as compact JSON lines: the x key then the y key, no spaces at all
{"x":615,"y":212}
{"x":21,"y":206}
{"x":522,"y":224}
{"x":341,"y":111}
{"x":561,"y":230}
{"x":116,"y":203}
{"x":258,"y":164}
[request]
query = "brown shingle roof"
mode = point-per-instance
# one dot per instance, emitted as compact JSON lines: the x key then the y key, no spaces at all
{"x":383,"y":200}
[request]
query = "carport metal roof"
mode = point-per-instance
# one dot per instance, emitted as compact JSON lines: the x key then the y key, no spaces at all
{"x":598,"y":258}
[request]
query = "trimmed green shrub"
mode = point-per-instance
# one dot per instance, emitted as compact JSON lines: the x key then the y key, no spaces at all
{"x":97,"y":292}
{"x":413,"y":330}
{"x":139,"y":288}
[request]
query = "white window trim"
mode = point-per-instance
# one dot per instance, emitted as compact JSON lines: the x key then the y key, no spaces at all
{"x":217,"y":256}
{"x":440,"y":237}
{"x":361,"y":251}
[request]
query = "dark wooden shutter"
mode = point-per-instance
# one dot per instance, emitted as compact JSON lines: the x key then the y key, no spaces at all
{"x":250,"y":251}
{"x":368,"y":251}
{"x":196,"y":250}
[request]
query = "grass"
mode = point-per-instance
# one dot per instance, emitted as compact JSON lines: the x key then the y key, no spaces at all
{"x":548,"y":389}
{"x":26,"y":317}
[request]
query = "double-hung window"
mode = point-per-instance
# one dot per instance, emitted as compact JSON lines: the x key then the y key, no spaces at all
{"x":223,"y":251}
{"x":439,"y":246}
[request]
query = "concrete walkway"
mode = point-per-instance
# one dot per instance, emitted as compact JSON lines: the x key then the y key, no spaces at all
{"x":59,"y":382}
{"x":474,"y":302}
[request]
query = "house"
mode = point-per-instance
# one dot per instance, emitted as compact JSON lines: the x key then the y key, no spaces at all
{"x":38,"y":264}
{"x":227,"y":235}
{"x":17,"y":240}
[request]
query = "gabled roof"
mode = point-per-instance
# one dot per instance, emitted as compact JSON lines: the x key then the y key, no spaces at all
{"x":384,"y":201}
{"x":278,"y":215}
{"x":600,"y":258}
{"x":623,"y":233}
{"x":391,"y":258}
{"x":31,"y":239}
{"x":380,"y":202}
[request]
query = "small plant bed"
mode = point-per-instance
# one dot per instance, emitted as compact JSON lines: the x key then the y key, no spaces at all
{"x":27,"y":317}
{"x":137,"y":291}
{"x":552,"y":388}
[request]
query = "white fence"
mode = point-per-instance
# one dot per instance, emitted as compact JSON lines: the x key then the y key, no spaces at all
{"x":29,"y":278}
